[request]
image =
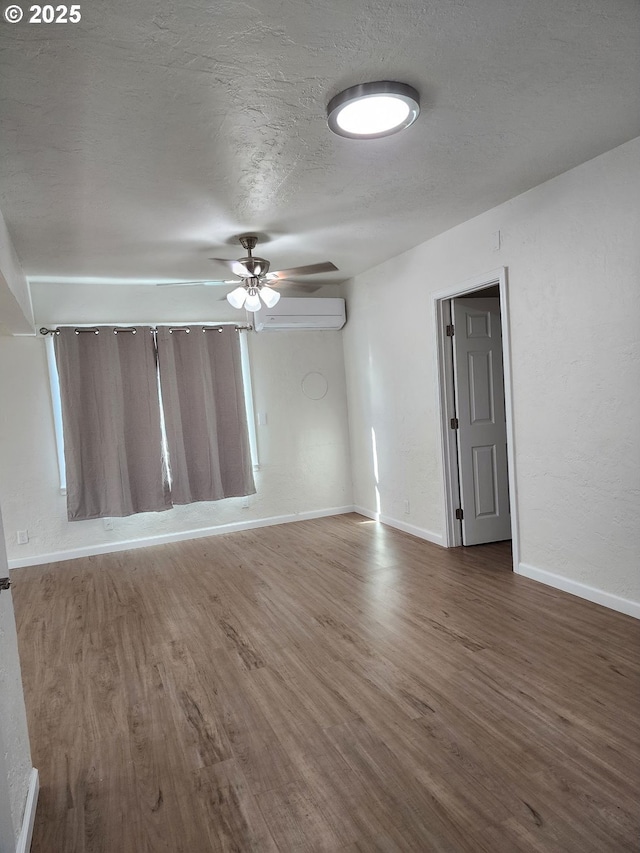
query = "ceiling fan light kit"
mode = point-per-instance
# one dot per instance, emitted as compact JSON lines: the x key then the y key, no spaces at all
{"x":373,"y":110}
{"x":269,"y":297}
{"x":252,"y":302}
{"x":237,"y":297}
{"x":249,"y":295}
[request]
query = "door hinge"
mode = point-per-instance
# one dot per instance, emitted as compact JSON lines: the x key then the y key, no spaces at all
{"x":450,"y":331}
{"x":459,"y":515}
{"x":454,"y":423}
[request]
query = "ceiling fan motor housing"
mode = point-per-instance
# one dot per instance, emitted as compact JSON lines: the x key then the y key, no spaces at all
{"x":256,"y":266}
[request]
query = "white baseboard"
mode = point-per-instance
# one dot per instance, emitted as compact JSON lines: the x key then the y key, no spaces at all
{"x":582,"y":590}
{"x":26,"y":833}
{"x":128,"y":544}
{"x":436,"y":538}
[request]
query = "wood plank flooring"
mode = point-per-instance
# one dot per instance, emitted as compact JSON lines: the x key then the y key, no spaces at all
{"x":330,"y":685}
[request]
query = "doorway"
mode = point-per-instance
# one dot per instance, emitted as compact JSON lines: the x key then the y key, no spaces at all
{"x":476,"y":416}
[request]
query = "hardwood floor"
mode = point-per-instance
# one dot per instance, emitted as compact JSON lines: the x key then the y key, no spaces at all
{"x":329,"y":685}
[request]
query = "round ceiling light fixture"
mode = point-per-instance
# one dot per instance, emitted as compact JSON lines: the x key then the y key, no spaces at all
{"x":372,"y":110}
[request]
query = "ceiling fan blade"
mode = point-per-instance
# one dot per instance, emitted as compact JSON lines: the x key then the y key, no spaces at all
{"x":179,"y":283}
{"x":235,"y":266}
{"x":294,"y":286}
{"x":205,"y":282}
{"x":226,"y":261}
{"x":310,"y":269}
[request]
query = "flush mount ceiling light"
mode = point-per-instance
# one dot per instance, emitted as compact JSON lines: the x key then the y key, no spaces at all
{"x":372,"y":110}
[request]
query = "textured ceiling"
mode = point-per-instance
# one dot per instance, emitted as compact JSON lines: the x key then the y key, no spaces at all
{"x":139,"y":142}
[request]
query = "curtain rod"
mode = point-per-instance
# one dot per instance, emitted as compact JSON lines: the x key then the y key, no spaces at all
{"x":96,"y":330}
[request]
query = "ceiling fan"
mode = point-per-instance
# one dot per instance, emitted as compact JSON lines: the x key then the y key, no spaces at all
{"x":255,"y":281}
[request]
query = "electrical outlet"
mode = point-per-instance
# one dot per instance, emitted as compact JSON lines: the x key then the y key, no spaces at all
{"x":407,"y":508}
{"x":262,"y":418}
{"x":245,"y":503}
{"x":108,"y":523}
{"x":22,"y":536}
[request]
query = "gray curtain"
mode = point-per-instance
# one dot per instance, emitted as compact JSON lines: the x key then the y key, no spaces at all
{"x":111,"y":421}
{"x":205,"y":416}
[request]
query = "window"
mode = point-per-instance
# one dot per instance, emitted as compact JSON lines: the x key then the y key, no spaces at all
{"x":150,"y":418}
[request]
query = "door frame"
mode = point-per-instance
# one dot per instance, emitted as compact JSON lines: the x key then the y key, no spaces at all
{"x":441,"y":304}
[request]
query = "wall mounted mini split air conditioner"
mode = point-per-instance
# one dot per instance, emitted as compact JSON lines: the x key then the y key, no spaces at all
{"x":319,"y":313}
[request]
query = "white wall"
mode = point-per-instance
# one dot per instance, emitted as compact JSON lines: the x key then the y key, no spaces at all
{"x":573,"y":256}
{"x":303,"y":449}
{"x":15,"y":755}
{"x":16,"y":313}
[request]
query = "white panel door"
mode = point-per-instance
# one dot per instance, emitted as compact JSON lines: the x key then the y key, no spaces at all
{"x":482,"y":431}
